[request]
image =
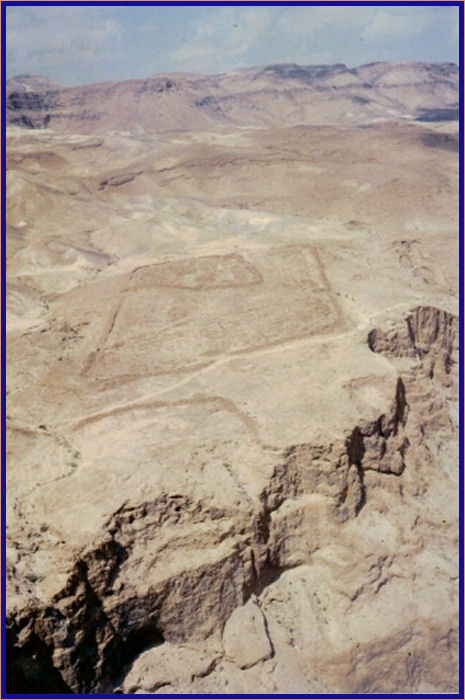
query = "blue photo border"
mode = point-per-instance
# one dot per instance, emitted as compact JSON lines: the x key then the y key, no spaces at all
{"x":11,"y":3}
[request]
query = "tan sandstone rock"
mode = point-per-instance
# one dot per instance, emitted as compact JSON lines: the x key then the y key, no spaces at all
{"x":245,"y":636}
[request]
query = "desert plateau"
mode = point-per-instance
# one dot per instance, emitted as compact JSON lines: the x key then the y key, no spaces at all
{"x":232,"y":357}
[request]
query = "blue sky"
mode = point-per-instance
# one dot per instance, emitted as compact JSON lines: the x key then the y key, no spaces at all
{"x":87,"y":44}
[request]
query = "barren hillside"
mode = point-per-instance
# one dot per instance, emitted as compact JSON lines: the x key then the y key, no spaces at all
{"x":276,"y":96}
{"x":232,"y":367}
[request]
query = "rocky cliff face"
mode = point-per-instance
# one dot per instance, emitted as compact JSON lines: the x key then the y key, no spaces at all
{"x":31,"y":109}
{"x":107,"y":613}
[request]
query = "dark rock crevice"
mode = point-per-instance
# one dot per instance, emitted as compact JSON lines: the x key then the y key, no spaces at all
{"x":30,"y":666}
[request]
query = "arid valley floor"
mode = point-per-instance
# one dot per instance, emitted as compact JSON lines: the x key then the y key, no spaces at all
{"x":232,"y":382}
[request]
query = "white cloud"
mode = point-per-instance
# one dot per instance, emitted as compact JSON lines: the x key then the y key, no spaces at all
{"x":223,"y":35}
{"x":86,"y":43}
{"x":41,"y":38}
{"x":231,"y":36}
{"x":192,"y":52}
{"x":394,"y":23}
{"x":305,"y":21}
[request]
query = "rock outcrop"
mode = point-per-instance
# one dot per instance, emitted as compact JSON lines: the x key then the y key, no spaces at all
{"x":102,"y":619}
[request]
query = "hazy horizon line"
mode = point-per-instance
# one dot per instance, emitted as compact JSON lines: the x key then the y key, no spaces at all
{"x":233,"y":70}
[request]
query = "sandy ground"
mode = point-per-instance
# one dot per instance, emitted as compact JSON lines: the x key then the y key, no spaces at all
{"x":187,"y":323}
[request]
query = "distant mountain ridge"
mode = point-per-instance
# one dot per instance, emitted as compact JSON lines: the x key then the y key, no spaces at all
{"x":25,"y":82}
{"x":271,"y":95}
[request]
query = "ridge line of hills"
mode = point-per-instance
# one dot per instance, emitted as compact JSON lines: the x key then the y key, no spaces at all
{"x":265,"y":96}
